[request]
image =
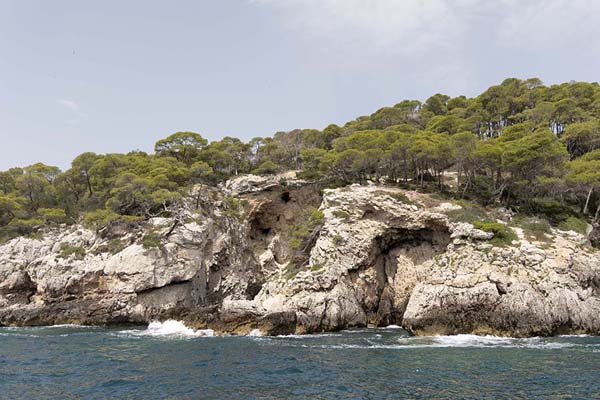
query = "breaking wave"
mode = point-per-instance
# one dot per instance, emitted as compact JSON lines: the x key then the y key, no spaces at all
{"x":170,"y":328}
{"x":496,"y":341}
{"x":389,"y":340}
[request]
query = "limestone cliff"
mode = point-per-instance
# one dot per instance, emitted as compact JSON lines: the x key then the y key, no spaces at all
{"x":281,"y":255}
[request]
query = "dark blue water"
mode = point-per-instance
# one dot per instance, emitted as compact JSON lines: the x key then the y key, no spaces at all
{"x":98,"y":363}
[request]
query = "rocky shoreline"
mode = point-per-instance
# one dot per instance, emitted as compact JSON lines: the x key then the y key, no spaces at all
{"x":283,"y":256}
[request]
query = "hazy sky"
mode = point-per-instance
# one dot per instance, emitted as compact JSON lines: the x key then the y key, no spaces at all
{"x":114,"y":76}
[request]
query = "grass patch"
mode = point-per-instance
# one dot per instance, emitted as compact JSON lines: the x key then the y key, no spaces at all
{"x":574,"y":224}
{"x":67,"y":251}
{"x":470,"y":212}
{"x":503,"y":235}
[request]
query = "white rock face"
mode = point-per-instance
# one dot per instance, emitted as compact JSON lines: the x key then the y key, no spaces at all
{"x":199,"y":259}
{"x":380,"y":256}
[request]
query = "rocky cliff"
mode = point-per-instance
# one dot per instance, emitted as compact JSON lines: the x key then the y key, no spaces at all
{"x":283,"y":256}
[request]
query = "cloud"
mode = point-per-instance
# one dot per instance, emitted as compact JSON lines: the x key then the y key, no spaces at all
{"x":70,"y":104}
{"x":549,"y":24}
{"x":73,"y":107}
{"x":400,"y":25}
{"x":397,"y":26}
{"x":428,"y":38}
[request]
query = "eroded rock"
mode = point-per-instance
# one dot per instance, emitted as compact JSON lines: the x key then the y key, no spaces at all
{"x":378,"y":256}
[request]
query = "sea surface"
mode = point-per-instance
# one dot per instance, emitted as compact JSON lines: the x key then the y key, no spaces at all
{"x":170,"y":361}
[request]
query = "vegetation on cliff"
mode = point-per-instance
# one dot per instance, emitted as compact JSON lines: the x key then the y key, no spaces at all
{"x":527,"y":146}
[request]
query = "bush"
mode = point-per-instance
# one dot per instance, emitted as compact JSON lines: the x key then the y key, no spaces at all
{"x":469,"y":212}
{"x":574,"y":224}
{"x":316,"y":267}
{"x":232,"y":207}
{"x":305,"y":227}
{"x":550,"y":208}
{"x":25,"y":226}
{"x":113,"y":246}
{"x":290,"y":271}
{"x":67,"y":251}
{"x":338,"y":239}
{"x":534,"y":228}
{"x":503,"y":235}
{"x":267,"y":168}
{"x":151,"y":240}
{"x":341,"y":214}
{"x":100,"y":218}
{"x":399,"y":197}
{"x":482,"y":189}
{"x":53,"y":215}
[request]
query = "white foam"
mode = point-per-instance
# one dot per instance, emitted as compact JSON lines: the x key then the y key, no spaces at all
{"x":308,"y":335}
{"x":42,"y":327}
{"x":255,"y":333}
{"x":465,"y":340}
{"x":455,"y":341}
{"x":69,"y":326}
{"x":171,"y":328}
{"x":574,"y":336}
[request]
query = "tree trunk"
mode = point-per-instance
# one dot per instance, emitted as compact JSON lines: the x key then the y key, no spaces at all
{"x":587,"y":200}
{"x":172,"y":228}
{"x":89,"y":184}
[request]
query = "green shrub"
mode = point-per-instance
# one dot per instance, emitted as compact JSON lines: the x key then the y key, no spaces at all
{"x":53,"y":215}
{"x":574,"y":224}
{"x":469,"y":212}
{"x":290,"y":271}
{"x":67,"y":251}
{"x":267,"y":168}
{"x":316,"y":217}
{"x":341,"y":214}
{"x":482,"y":188}
{"x":503,"y":235}
{"x":131,"y":219}
{"x":549,"y":208}
{"x":316,"y":267}
{"x":305,"y":227}
{"x":400,"y":197}
{"x":25,"y":226}
{"x":113,"y":246}
{"x":338,"y":239}
{"x":533,"y":228}
{"x":151,"y":240}
{"x":233,"y":207}
{"x":100,"y":218}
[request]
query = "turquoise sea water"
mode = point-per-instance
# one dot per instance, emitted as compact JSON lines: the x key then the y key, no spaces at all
{"x":70,"y":362}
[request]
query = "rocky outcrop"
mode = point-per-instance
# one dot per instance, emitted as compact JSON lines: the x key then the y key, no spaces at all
{"x":256,"y":254}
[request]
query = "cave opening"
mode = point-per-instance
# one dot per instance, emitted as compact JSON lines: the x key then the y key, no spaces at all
{"x":397,"y":259}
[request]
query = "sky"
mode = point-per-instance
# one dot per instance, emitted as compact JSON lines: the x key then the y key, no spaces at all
{"x":115,"y":76}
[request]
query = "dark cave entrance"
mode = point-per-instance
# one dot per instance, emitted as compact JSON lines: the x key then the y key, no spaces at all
{"x":399,"y":251}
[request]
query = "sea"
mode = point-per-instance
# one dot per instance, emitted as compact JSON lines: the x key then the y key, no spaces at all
{"x":170,"y":361}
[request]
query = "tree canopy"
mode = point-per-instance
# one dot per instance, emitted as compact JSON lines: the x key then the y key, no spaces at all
{"x":520,"y":143}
